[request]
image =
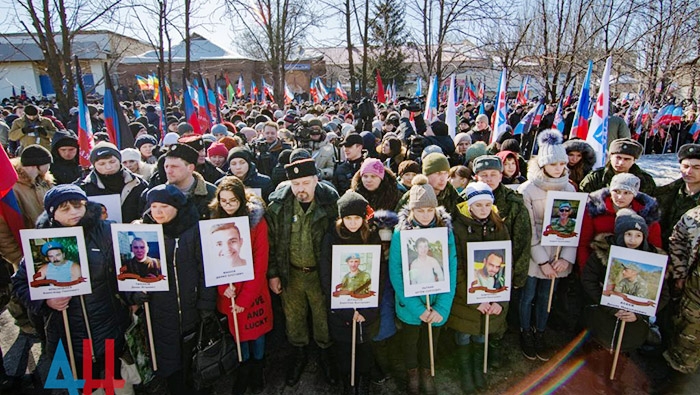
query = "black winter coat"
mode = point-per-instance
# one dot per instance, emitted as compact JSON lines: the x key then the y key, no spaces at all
{"x":64,"y":171}
{"x":175,"y":313}
{"x":256,"y":180}
{"x":106,"y":310}
{"x":130,"y":194}
{"x":211,"y":173}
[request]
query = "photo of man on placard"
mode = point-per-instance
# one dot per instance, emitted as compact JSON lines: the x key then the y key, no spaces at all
{"x":141,"y":264}
{"x":356,"y":281}
{"x":492,"y":274}
{"x":58,"y":267}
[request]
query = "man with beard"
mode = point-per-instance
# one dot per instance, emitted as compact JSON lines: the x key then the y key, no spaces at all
{"x":298,"y":217}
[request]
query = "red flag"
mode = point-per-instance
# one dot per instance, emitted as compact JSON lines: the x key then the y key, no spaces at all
{"x":380,"y":89}
{"x":9,"y":209}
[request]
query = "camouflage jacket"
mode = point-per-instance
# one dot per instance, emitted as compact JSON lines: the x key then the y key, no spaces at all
{"x":673,"y":201}
{"x":600,"y":178}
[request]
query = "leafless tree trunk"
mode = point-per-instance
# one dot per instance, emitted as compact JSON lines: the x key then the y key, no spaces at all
{"x":188,"y":8}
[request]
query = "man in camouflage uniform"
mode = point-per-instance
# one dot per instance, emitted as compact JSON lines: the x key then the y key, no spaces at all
{"x":683,"y":353}
{"x":298,"y":216}
{"x":631,"y":283}
{"x":564,"y":224}
{"x":623,"y":154}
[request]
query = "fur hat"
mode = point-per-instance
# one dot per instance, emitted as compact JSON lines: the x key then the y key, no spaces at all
{"x":435,"y":162}
{"x":421,"y":193}
{"x":689,"y":151}
{"x":35,"y":155}
{"x":352,"y":203}
{"x":477,"y":191}
{"x":184,"y":152}
{"x":626,"y":146}
{"x":301,"y":168}
{"x":487,"y":162}
{"x":551,"y":148}
{"x":625,"y":182}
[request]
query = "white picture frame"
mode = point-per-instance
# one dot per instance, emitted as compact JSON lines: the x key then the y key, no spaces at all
{"x":112,"y":206}
{"x":555,"y":234}
{"x":215,"y":253}
{"x":70,"y":249}
{"x":150,"y":275}
{"x":622,"y":289}
{"x":344,"y":291}
{"x":485,"y":285}
{"x":417,"y":274}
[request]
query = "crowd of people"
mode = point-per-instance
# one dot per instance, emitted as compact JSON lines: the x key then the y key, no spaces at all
{"x":313,"y":176}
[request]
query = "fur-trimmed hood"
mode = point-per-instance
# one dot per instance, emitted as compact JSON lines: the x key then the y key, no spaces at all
{"x":600,"y":202}
{"x":587,"y":153}
{"x":23,"y":177}
{"x":440,"y":211}
{"x":256,"y":210}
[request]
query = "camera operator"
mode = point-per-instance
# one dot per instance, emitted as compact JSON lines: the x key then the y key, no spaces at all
{"x":364,"y":114}
{"x":32,"y":128}
{"x":267,"y":149}
{"x":313,"y":137}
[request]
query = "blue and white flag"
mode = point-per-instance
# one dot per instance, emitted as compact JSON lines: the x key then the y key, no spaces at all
{"x":597,"y":136}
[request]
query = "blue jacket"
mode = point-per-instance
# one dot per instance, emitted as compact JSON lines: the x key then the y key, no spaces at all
{"x":409,"y":309}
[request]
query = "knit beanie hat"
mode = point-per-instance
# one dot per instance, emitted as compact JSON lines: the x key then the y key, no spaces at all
{"x":64,"y":138}
{"x":219,"y":129}
{"x":144,"y":139}
{"x":439,"y":128}
{"x":372,"y":166}
{"x":166,"y":194}
{"x":626,"y":146}
{"x":431,"y":149}
{"x":229,"y":142}
{"x":240,"y":152}
{"x":477,"y":191}
{"x":408,"y":166}
{"x":475,"y":150}
{"x":487,"y":162}
{"x":352,"y":203}
{"x":135,"y":127}
{"x":59,"y":194}
{"x":511,"y":145}
{"x":421,"y":193}
{"x":130,"y":154}
{"x":31,"y":110}
{"x":625,"y":220}
{"x":625,"y":182}
{"x":434,"y":163}
{"x":35,"y":155}
{"x":551,"y":148}
{"x":184,"y":128}
{"x":170,"y":138}
{"x":217,"y":149}
{"x":104,"y":150}
{"x":461,"y":137}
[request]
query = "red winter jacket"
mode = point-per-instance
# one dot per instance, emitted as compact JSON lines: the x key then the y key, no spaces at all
{"x":600,"y":218}
{"x":253,"y":295}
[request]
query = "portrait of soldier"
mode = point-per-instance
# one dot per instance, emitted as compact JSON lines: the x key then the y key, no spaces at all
{"x":141,"y":264}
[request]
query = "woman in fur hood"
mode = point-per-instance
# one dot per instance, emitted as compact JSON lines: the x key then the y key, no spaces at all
{"x":581,"y":159}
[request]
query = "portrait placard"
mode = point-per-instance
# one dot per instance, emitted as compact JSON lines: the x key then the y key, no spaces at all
{"x":227,"y":250}
{"x":489,"y":271}
{"x":563,"y":218}
{"x":56,"y":261}
{"x":355,"y":276}
{"x":139,"y":257}
{"x":425,"y":260}
{"x":111,"y":206}
{"x":633,"y":280}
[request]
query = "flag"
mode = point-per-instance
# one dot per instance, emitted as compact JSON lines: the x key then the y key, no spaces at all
{"x":156,"y":89}
{"x":523,"y":127}
{"x":163,"y":114}
{"x":340,"y":91}
{"x":268,"y":90}
{"x":387,"y":93}
{"x":501,"y":110}
{"x":694,"y":129}
{"x":380,"y":88}
{"x":142,"y":83}
{"x":419,"y":87}
{"x":641,"y":118}
{"x":322,"y":91}
{"x":85,"y":141}
{"x":471,"y":91}
{"x":568,"y":94}
{"x":220,"y":97}
{"x":580,"y":126}
{"x":9,"y":208}
{"x":230,"y":92}
{"x":254,"y":92}
{"x":151,"y":83}
{"x":167,"y":89}
{"x":522,"y":96}
{"x":597,"y":136}
{"x":313,"y":92}
{"x":203,"y":112}
{"x":14,"y":93}
{"x":115,"y":120}
{"x":191,"y":110}
{"x":538,"y":116}
{"x":212,"y":100}
{"x":482,"y":88}
{"x":288,"y":95}
{"x":431,"y":104}
{"x":451,"y":110}
{"x":559,"y":121}
{"x":240,"y":88}
{"x":677,"y":115}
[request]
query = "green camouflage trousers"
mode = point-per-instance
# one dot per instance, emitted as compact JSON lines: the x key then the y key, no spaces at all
{"x":684,"y":352}
{"x":303,"y":293}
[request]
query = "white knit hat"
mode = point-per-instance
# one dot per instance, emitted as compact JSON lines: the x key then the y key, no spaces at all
{"x":170,"y":138}
{"x":130,"y":154}
{"x":477,"y":191}
{"x":551,"y":148}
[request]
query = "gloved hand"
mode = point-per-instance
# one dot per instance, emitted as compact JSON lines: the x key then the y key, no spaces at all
{"x":207,"y":315}
{"x":27,"y":129}
{"x":141,"y":297}
{"x":41,"y":131}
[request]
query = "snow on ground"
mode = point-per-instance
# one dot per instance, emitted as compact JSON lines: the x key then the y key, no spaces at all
{"x":664,"y":168}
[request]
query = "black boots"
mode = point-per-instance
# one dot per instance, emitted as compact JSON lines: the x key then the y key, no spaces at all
{"x":295,"y":367}
{"x":466,"y":365}
{"x":257,"y":376}
{"x":478,"y":365}
{"x":413,"y":384}
{"x":327,"y":364}
{"x":427,"y":382}
{"x":527,"y":344}
{"x":240,"y":379}
{"x":541,"y":349}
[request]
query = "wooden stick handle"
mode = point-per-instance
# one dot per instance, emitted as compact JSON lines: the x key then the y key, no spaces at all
{"x":617,"y":350}
{"x":486,"y":344}
{"x":150,"y":336}
{"x":551,"y":286}
{"x":430,"y":339}
{"x":69,"y":343}
{"x":235,"y":327}
{"x":354,"y":342}
{"x":87,"y":326}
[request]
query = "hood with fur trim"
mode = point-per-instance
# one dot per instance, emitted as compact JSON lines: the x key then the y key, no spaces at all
{"x":256,"y":210}
{"x":587,"y":152}
{"x":600,"y":202}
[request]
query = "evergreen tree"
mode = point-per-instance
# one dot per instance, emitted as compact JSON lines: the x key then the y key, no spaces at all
{"x":387,"y":37}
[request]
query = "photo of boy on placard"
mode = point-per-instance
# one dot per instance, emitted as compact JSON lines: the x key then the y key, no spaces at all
{"x":56,"y":262}
{"x":489,"y":271}
{"x":633,"y":280}
{"x":355,"y":276}
{"x":227,"y":251}
{"x":111,"y":206}
{"x":563,"y":218}
{"x":425,"y":261}
{"x":139,"y":256}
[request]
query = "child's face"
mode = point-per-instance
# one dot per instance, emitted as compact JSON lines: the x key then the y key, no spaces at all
{"x":555,"y":170}
{"x":458,"y":182}
{"x":424,"y":215}
{"x":481,"y":209}
{"x":509,"y":167}
{"x":406,"y":178}
{"x":633,"y":238}
{"x":352,"y":222}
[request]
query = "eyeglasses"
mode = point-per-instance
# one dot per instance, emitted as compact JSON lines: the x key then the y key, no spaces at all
{"x":564,"y":210}
{"x":232,"y":202}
